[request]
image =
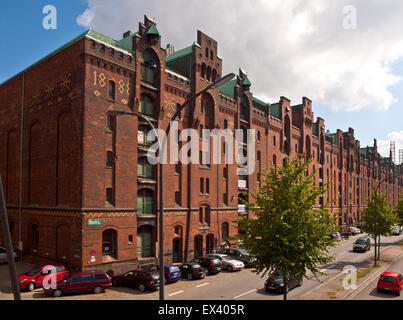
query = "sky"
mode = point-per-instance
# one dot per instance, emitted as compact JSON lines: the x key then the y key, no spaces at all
{"x":345,"y":55}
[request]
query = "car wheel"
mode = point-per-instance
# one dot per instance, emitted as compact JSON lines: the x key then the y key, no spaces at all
{"x":229,"y":268}
{"x":142,"y":287}
{"x":190,"y":276}
{"x":31,"y":286}
{"x":98,"y":290}
{"x":57,"y":293}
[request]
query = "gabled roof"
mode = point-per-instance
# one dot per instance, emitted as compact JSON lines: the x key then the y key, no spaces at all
{"x":227,"y":89}
{"x":153,"y":30}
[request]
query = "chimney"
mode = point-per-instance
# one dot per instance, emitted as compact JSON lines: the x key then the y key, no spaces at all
{"x":170,"y":49}
{"x":127,"y":33}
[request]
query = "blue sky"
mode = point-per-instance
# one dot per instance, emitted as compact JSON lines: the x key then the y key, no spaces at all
{"x":26,"y":41}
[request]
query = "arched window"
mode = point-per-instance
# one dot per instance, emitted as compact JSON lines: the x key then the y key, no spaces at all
{"x":145,"y":202}
{"x":145,"y":242}
{"x":148,"y":67}
{"x":214,"y":77}
{"x":109,"y":243}
{"x":203,"y":70}
{"x":208,"y":73}
{"x":146,"y":105}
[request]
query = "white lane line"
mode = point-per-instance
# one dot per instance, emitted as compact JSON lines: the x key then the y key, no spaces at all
{"x":243,"y":294}
{"x":202,"y":285}
{"x":175,"y":293}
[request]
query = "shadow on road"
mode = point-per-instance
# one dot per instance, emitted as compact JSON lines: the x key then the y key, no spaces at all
{"x":383,"y":295}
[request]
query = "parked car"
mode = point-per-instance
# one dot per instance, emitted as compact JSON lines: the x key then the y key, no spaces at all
{"x":355,"y":231}
{"x":171,"y":273}
{"x":396,"y":231}
{"x":213,"y":265}
{"x":362,"y":244}
{"x":335,"y":236}
{"x":3,"y":255}
{"x":138,"y":279}
{"x":275,"y":282}
{"x":80,"y":282}
{"x":230,"y":264}
{"x":193,"y":270}
{"x":239,"y":254}
{"x":35,"y":277}
{"x":390,"y":282}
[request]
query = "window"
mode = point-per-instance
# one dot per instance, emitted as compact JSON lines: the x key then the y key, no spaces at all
{"x":130,"y":240}
{"x":177,"y":168}
{"x":145,"y":242}
{"x":275,"y":160}
{"x":274,"y":141}
{"x":259,"y":156}
{"x":148,"y":67}
{"x":201,"y":186}
{"x":207,"y":186}
{"x":111,"y":91}
{"x":258,"y":136}
{"x":225,"y":199}
{"x":225,"y":124}
{"x":109,"y":195}
{"x":110,"y":123}
{"x":225,"y":231}
{"x":109,"y":159}
{"x":145,"y":202}
{"x":145,"y":169}
{"x":244,"y":108}
{"x":207,"y":215}
{"x":146,"y":105}
{"x":200,"y":215}
{"x":177,"y":198}
{"x":178,"y":105}
{"x":225,"y":173}
{"x":109,"y":243}
{"x":142,"y":136}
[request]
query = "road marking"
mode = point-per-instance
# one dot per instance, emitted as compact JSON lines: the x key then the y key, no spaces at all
{"x":340,"y":254}
{"x":202,"y":285}
{"x":243,"y":294}
{"x":175,"y":293}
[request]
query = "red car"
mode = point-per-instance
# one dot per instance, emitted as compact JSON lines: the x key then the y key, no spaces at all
{"x":390,"y":281}
{"x":87,"y":281}
{"x":34,"y":278}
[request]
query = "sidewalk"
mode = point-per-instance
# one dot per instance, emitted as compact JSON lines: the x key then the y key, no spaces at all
{"x":5,"y":282}
{"x":333,"y":289}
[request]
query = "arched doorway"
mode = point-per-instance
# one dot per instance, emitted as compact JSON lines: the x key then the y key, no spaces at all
{"x":34,"y":238}
{"x":209,"y":243}
{"x":145,"y":242}
{"x":177,"y":245}
{"x":198,"y":246}
{"x":62,"y":242}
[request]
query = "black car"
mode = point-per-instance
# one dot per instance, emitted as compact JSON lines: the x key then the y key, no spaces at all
{"x":213,"y":265}
{"x":239,"y":254}
{"x":276,"y":282}
{"x":362,"y":244}
{"x":138,"y":279}
{"x":193,"y":270}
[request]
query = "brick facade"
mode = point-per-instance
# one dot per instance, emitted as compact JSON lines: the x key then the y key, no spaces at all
{"x":88,"y":199}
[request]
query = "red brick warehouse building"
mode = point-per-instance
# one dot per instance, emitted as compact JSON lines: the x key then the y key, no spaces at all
{"x":79,"y":188}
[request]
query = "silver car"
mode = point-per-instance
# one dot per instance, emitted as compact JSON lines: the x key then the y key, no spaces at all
{"x":229,"y":263}
{"x":3,"y":255}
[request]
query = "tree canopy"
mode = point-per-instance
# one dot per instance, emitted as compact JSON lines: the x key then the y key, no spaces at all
{"x":287,"y":231}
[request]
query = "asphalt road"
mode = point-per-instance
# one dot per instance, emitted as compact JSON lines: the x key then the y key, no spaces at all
{"x":239,"y":285}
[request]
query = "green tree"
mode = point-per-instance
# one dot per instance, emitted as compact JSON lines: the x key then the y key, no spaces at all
{"x":385,"y":217}
{"x":286,"y":232}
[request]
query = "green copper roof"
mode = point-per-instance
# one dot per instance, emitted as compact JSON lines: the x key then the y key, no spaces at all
{"x":227,"y":89}
{"x":179,"y":54}
{"x":246,"y":82}
{"x":181,"y":61}
{"x":153,"y":30}
{"x":259,"y":104}
{"x":275,"y":110}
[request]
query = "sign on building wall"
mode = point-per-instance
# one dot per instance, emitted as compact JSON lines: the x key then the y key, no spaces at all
{"x":94,"y":222}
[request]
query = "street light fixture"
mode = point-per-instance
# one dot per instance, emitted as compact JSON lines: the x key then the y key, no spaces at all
{"x":215,"y":84}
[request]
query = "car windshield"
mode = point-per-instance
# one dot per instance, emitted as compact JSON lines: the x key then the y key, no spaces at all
{"x":361,"y":241}
{"x":196,"y":266}
{"x":244,"y":252}
{"x":226,"y":258}
{"x":173,"y":269}
{"x":215,"y":261}
{"x":277,"y":275}
{"x":33,"y":272}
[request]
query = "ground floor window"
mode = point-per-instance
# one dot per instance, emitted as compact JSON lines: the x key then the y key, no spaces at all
{"x":145,"y":242}
{"x":109,"y":243}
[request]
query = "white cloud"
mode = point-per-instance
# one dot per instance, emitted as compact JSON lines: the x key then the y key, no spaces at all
{"x":293,"y":48}
{"x":384,"y":145}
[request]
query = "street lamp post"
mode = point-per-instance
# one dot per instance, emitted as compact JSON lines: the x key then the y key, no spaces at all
{"x":213,"y":85}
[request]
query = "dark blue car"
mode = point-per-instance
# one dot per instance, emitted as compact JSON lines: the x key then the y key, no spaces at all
{"x":171,"y":273}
